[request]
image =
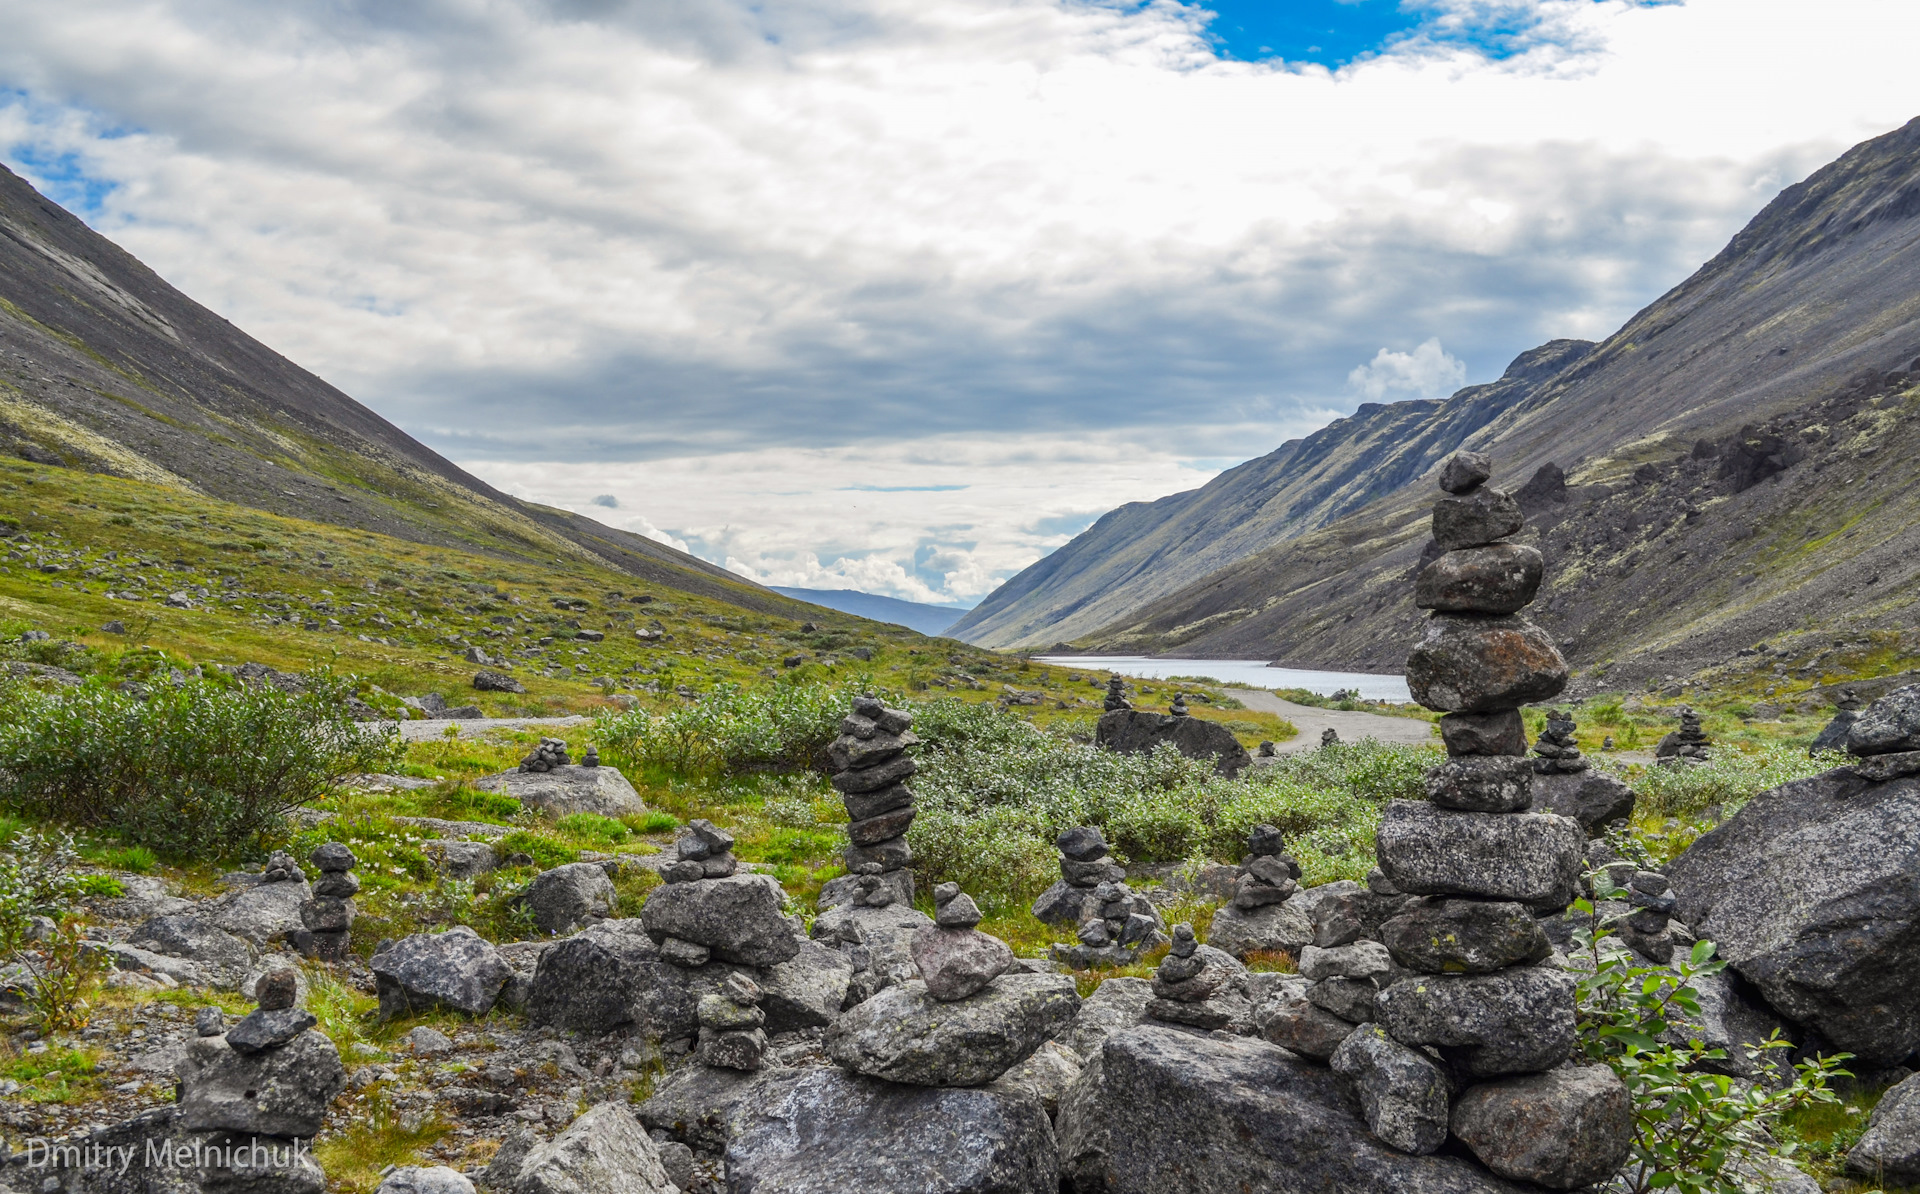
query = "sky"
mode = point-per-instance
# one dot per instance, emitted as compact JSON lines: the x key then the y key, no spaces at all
{"x":901,"y":294}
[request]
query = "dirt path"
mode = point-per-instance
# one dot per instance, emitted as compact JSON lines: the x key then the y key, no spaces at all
{"x":1350,"y":726}
{"x":475,"y":727}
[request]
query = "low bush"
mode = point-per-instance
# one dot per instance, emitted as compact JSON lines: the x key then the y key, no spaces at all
{"x":784,"y":726}
{"x":1724,"y":783}
{"x":195,"y":771}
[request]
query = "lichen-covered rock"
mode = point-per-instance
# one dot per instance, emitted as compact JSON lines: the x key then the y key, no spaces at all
{"x":1890,"y":724}
{"x":1445,"y":936}
{"x":605,"y":1151}
{"x":568,"y":897}
{"x":1808,"y":892}
{"x":1402,"y":1093}
{"x":1115,"y":1004}
{"x":1291,"y":1020}
{"x":1475,"y":518}
{"x":828,"y":1132}
{"x":1499,"y":733}
{"x":1284,"y":926}
{"x":905,"y":1035}
{"x":1593,"y":797}
{"x":1482,"y":784}
{"x":1563,"y":1129}
{"x":277,"y":1092}
{"x":457,"y":969}
{"x":566,"y":789}
{"x":1474,"y":663}
{"x":1514,"y":1021}
{"x":1531,"y":858}
{"x":1498,"y":579}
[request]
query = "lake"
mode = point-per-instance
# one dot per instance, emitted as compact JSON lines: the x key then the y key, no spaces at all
{"x":1241,"y":671}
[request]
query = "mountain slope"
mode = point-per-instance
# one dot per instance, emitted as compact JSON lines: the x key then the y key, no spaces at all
{"x":1146,"y":550}
{"x":104,"y":366}
{"x":1739,"y":468}
{"x":915,"y":615}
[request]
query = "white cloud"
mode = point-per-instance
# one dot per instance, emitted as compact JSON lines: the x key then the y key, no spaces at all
{"x":1422,"y":373}
{"x":551,"y":235}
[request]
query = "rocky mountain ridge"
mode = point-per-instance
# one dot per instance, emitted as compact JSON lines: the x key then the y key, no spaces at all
{"x":1727,"y":472}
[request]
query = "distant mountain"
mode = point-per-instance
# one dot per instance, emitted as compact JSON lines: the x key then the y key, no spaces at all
{"x":1144,"y":551}
{"x":914,"y":615}
{"x":1731,"y":481}
{"x":106,"y":367}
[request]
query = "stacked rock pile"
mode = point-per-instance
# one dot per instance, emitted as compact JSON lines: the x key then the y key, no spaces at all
{"x":1689,"y":742}
{"x":1116,"y":923}
{"x":551,"y":753}
{"x":1479,"y":998}
{"x":328,"y":916}
{"x":1199,"y":986}
{"x":871,"y":767}
{"x":1647,"y":929}
{"x":955,"y":958}
{"x":705,"y":852}
{"x":1179,"y":706}
{"x":732,"y":1036}
{"x":1556,"y":751}
{"x":1269,"y":875}
{"x":591,"y":758}
{"x":281,"y":868}
{"x":1116,"y":695}
{"x":277,"y":1019}
{"x":1329,"y":737}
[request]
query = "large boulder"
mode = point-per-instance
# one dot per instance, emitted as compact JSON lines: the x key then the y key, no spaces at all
{"x":224,"y":957}
{"x":1115,"y":1004}
{"x":1563,"y":1129}
{"x":568,"y":897}
{"x":1286,"y":926}
{"x":1531,"y":858}
{"x":276,"y":1092}
{"x":1138,"y":732}
{"x":1593,"y":797}
{"x":1889,"y":725}
{"x":696,"y":1104}
{"x":1164,"y":1111}
{"x":741,"y":918}
{"x":905,"y":1035}
{"x":1402,"y":1093}
{"x":1514,"y":1021}
{"x":1809,"y":892}
{"x":877,"y":943}
{"x":457,"y":969}
{"x":163,"y":1157}
{"x":611,"y":976}
{"x":1471,"y":663}
{"x":829,"y":1132}
{"x":805,"y":991}
{"x":568,"y":788}
{"x":1890,"y":1149}
{"x":605,"y":1151}
{"x":260,"y":913}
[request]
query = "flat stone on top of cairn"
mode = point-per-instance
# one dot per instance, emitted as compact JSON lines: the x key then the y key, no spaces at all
{"x":1480,"y":992}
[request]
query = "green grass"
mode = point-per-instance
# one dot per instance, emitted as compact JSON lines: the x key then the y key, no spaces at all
{"x":54,"y":1076}
{"x":377,"y":1137}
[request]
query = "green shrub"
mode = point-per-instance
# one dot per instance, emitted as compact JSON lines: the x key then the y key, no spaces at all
{"x":137,"y":859}
{"x":656,"y":821}
{"x":192,"y":772}
{"x":1726,"y":782}
{"x":593,"y":827}
{"x":784,"y":726}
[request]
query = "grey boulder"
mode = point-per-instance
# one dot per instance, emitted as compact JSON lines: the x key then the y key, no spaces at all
{"x":1115,"y":1004}
{"x":425,"y":1179}
{"x":1531,"y":858}
{"x":1402,"y":1093}
{"x":1163,"y":1111}
{"x":1890,"y":1149}
{"x":1445,"y":936}
{"x":279,"y":1092}
{"x":828,"y":1132}
{"x":611,"y":976}
{"x":225,"y":957}
{"x":1045,"y":1076}
{"x":460,"y":860}
{"x":1890,"y":724}
{"x":568,"y":897}
{"x":1593,"y":797}
{"x":805,"y":991}
{"x":456,"y":969}
{"x":905,"y":1035}
{"x":1514,"y":1021}
{"x":696,"y":1104}
{"x":1471,"y":663}
{"x":956,"y":962}
{"x":1808,"y":892}
{"x":260,"y":913}
{"x":605,"y":1151}
{"x":1285,"y":926}
{"x":568,"y":788}
{"x":741,"y":918}
{"x":1291,"y":1020}
{"x":1564,"y":1129}
{"x":1138,"y":732}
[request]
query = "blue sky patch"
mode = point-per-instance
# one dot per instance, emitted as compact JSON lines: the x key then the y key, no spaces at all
{"x":63,"y":178}
{"x":1330,"y":32}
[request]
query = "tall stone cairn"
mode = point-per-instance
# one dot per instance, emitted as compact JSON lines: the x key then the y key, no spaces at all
{"x":1117,"y":695}
{"x":1555,"y":751}
{"x":1688,"y":744}
{"x":328,"y":916}
{"x":872,"y":767}
{"x":1482,"y":994}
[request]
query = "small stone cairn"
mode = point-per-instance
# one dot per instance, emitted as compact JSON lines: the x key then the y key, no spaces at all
{"x":1556,"y":751}
{"x":1329,"y":737}
{"x":955,"y":958}
{"x":732,"y":1036}
{"x":1269,"y":875}
{"x":1117,"y":695}
{"x":1199,"y":986}
{"x":277,"y":1019}
{"x":705,"y":851}
{"x":1179,"y":706}
{"x":1648,"y":927}
{"x":1479,"y":997}
{"x":551,"y":753}
{"x":328,"y":916}
{"x":871,"y":767}
{"x":1687,"y":744}
{"x":591,"y":758}
{"x":1116,"y":923}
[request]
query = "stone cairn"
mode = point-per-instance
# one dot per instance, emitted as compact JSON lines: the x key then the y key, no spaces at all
{"x":705,"y":852}
{"x":1648,"y":928}
{"x":328,"y":916}
{"x":281,"y":868}
{"x":1116,"y":923}
{"x":1199,"y":986}
{"x":277,"y":1019}
{"x":1556,"y":751}
{"x":955,"y":958}
{"x":732,"y":1036}
{"x":871,"y":767}
{"x":1179,"y":706}
{"x":591,"y":758}
{"x":1116,"y":695}
{"x":1479,"y":998}
{"x":551,"y":753}
{"x":1688,"y":743}
{"x":1329,"y":737}
{"x":1269,"y":875}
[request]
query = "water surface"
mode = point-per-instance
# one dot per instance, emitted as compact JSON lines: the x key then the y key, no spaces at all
{"x":1242,"y":671}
